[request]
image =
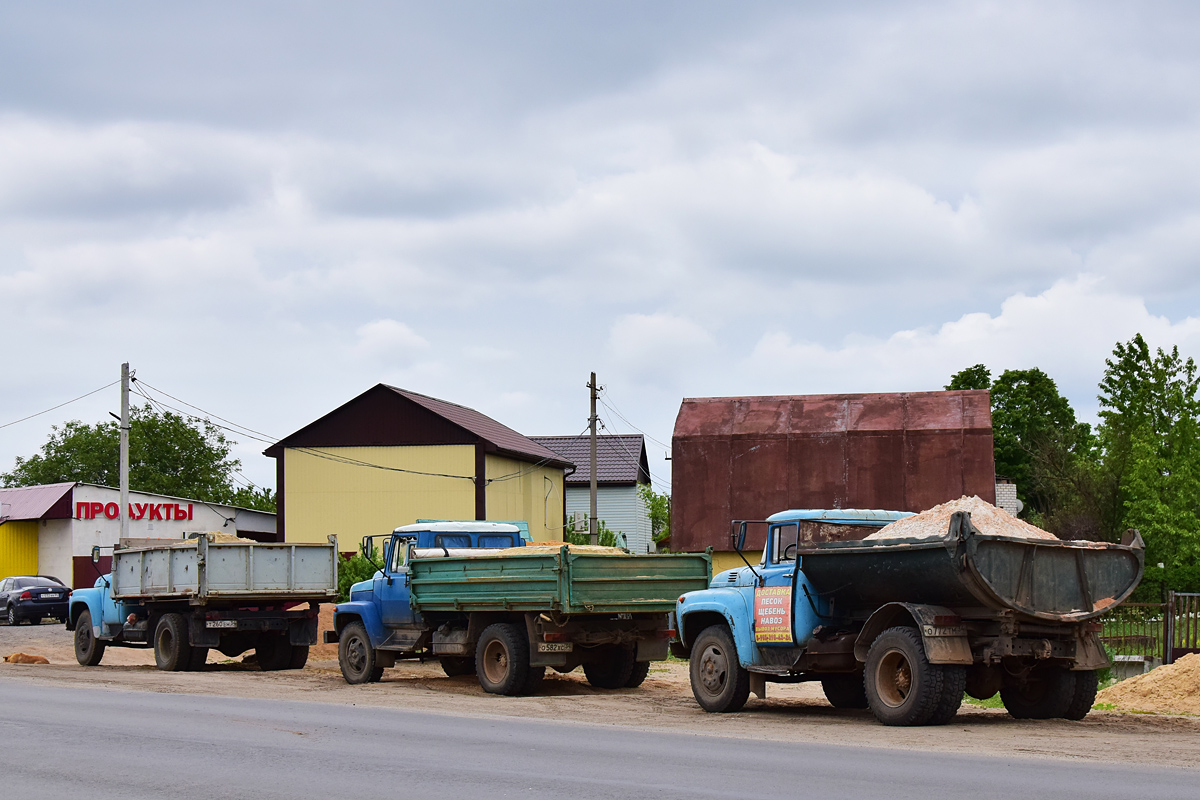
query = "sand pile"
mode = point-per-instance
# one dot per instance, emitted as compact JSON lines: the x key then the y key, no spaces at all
{"x":1169,"y":689}
{"x":542,"y":548}
{"x":935,"y":523}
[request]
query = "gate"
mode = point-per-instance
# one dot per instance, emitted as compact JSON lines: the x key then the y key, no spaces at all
{"x":1137,"y":632}
{"x":1183,"y":624}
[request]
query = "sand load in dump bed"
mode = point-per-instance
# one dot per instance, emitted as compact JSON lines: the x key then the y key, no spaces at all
{"x":935,"y":523}
{"x":542,"y":548}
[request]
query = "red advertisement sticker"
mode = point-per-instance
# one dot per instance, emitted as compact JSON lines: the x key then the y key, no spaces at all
{"x":773,"y":615}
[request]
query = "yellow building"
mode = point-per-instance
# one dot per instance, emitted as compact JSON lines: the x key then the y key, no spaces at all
{"x":390,"y":457}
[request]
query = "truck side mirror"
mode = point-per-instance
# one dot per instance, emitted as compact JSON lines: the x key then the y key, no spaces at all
{"x":741,"y":539}
{"x":95,"y":554}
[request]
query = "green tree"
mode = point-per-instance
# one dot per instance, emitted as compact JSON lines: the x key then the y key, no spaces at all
{"x":605,"y":537}
{"x":658,"y":507}
{"x":1150,"y":440}
{"x":168,"y":454}
{"x":976,"y":377}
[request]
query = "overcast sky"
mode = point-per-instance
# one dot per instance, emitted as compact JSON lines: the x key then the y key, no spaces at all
{"x":268,"y":208}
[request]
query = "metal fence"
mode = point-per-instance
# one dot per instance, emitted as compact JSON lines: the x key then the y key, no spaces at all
{"x":1136,"y":629}
{"x":1183,"y":624}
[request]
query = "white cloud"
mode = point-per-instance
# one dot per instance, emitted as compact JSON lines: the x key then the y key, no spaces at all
{"x":387,"y":340}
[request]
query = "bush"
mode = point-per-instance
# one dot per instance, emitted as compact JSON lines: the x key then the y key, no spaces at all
{"x":351,"y":571}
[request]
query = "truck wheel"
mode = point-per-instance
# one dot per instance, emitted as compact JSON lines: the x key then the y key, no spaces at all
{"x":299,"y":657}
{"x":845,"y":691}
{"x":1086,"y":684}
{"x":88,"y":649}
{"x":954,"y":685}
{"x":902,"y":687}
{"x":502,"y":659}
{"x":454,"y":666}
{"x":719,"y":683}
{"x":273,"y":652}
{"x":171,"y":649}
{"x":612,"y":670}
{"x":198,"y":660}
{"x":356,"y":657}
{"x":1046,"y":693}
{"x":640,"y":670}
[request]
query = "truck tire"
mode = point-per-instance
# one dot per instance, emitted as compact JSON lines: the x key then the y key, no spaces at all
{"x":299,"y":657}
{"x":198,"y":660}
{"x":1047,"y":693}
{"x":954,"y":685}
{"x":640,"y":670}
{"x":902,"y":687}
{"x":613,"y":670}
{"x":273,"y":652}
{"x":356,"y":657}
{"x":719,"y":683}
{"x":502,"y":659}
{"x":845,"y":691}
{"x":172,"y":652}
{"x":454,"y":666}
{"x":1086,"y":684}
{"x":88,"y":649}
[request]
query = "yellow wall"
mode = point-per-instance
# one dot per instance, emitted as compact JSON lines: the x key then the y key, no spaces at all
{"x":728,"y":559}
{"x":323,"y":496}
{"x":19,"y":548}
{"x":519,"y":490}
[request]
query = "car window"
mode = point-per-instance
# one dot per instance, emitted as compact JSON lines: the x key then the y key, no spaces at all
{"x":496,"y":540}
{"x":41,"y":582}
{"x":4,"y":585}
{"x":783,"y":541}
{"x":18,"y":583}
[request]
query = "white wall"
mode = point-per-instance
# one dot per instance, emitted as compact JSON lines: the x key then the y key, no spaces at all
{"x":620,"y":508}
{"x":54,"y":549}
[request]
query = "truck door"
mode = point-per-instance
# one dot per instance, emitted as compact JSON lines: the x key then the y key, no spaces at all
{"x":773,"y":601}
{"x":392,"y":587}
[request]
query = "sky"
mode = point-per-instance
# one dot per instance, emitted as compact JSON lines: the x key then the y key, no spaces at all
{"x":268,"y":208}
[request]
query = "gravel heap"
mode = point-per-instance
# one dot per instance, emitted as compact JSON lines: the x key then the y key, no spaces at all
{"x":1169,"y":689}
{"x":935,"y":523}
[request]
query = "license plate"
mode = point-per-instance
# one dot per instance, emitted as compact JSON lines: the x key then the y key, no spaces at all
{"x":49,"y":596}
{"x":220,"y":623}
{"x":556,"y":647}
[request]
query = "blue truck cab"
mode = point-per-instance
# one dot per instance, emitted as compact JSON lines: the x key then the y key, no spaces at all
{"x":769,"y":618}
{"x":378,"y":623}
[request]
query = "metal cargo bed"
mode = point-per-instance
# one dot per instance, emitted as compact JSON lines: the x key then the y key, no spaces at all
{"x":562,"y":581}
{"x":1044,"y":579}
{"x":201,"y":570}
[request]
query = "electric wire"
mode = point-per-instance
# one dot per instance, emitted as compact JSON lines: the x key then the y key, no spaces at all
{"x":60,"y":405}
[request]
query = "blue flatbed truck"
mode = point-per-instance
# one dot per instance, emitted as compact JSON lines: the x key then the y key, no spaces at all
{"x":473,"y":596}
{"x":905,"y":626}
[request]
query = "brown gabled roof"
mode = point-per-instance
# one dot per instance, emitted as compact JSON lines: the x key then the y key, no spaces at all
{"x":50,"y":501}
{"x":620,"y":458}
{"x":390,"y":416}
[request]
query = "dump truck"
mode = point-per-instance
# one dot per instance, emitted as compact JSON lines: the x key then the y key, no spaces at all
{"x":445,"y":591}
{"x":905,"y":626}
{"x":211,"y":591}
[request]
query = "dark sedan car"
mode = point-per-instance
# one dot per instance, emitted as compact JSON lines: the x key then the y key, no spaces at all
{"x":32,"y":597}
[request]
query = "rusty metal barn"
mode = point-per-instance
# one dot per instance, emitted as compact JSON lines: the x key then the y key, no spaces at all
{"x":749,"y":457}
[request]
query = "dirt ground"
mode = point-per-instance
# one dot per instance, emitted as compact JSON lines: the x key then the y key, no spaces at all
{"x":794,"y":713}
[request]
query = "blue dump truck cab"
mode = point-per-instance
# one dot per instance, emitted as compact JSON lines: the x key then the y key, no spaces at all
{"x":382,"y":606}
{"x":904,"y":626}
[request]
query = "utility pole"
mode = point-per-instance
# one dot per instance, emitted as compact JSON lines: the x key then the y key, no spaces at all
{"x":593,"y":523}
{"x":124,"y":465}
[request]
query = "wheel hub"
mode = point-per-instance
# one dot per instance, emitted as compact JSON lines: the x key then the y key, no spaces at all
{"x":713,"y":669}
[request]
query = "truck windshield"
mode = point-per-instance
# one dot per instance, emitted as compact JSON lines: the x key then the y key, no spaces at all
{"x":783,"y":541}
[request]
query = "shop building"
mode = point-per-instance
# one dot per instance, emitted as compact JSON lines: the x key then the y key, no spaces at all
{"x":51,"y":529}
{"x":621,"y":470}
{"x":390,"y":457}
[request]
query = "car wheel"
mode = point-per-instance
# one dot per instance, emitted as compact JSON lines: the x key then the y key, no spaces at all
{"x":502,"y":659}
{"x":88,"y":649}
{"x":11,"y":616}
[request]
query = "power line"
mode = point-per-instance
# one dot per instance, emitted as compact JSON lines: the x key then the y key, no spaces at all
{"x":622,"y":417}
{"x":60,"y":405}
{"x":265,"y":437}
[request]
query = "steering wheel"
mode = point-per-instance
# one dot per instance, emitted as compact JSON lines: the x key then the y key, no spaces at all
{"x":791,"y":548}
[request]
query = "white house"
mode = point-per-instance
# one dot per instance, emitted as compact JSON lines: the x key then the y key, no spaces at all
{"x":621,"y":468}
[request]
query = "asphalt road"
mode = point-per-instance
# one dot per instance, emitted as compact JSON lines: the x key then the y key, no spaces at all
{"x":95,"y":743}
